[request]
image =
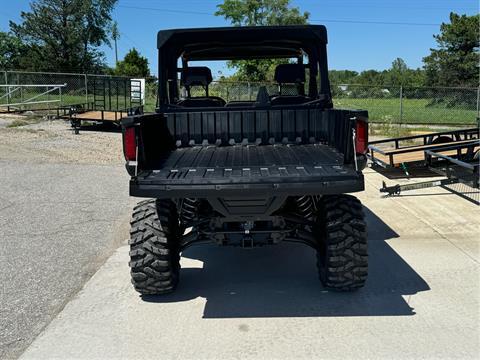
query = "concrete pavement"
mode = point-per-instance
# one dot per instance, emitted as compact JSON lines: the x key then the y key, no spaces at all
{"x":58,"y":224}
{"x":421,"y":300}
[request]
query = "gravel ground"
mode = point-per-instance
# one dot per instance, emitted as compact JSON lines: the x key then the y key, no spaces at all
{"x":64,"y":208}
{"x":55,"y":142}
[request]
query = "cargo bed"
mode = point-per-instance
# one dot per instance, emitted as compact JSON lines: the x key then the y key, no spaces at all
{"x":267,"y":169}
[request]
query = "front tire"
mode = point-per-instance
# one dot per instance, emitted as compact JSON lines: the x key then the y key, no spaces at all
{"x":342,"y":258}
{"x":154,"y":247}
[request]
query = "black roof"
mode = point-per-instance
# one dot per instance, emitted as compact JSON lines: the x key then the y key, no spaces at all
{"x":226,"y":43}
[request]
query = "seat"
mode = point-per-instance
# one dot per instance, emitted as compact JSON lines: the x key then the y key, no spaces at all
{"x":198,"y":76}
{"x":290,"y":74}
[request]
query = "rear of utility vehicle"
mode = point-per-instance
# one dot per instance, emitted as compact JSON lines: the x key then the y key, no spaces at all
{"x":246,"y":172}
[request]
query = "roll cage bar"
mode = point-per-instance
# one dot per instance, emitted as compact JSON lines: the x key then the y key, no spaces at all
{"x":241,"y":43}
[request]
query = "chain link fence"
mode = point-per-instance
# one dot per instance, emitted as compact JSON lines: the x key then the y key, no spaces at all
{"x":385,"y":104}
{"x":24,"y":91}
{"x":411,"y":105}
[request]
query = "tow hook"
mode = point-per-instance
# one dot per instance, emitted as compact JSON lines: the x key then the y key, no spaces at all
{"x":247,"y":240}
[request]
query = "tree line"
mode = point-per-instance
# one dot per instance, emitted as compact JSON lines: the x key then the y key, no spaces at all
{"x":66,"y":36}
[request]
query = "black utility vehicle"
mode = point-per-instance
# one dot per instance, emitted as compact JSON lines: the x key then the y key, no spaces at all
{"x":246,"y":173}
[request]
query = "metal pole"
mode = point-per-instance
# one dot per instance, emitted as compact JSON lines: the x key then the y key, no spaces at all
{"x":86,"y":89}
{"x":401,"y":105}
{"x":478,"y":106}
{"x":7,"y":90}
{"x":18,"y":83}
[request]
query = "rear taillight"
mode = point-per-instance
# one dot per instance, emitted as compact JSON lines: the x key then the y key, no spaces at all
{"x":130,"y":144}
{"x":361,"y":136}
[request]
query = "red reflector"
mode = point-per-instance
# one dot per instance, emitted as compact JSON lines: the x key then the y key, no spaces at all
{"x":361,"y":138}
{"x":130,"y":144}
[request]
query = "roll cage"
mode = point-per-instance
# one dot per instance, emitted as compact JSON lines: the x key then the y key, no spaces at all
{"x":242,"y":43}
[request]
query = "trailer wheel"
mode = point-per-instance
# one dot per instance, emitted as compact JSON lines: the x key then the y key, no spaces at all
{"x":441,"y":140}
{"x":342,"y":258}
{"x":154,"y":247}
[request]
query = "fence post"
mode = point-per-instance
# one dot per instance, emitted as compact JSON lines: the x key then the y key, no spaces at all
{"x":86,"y":89}
{"x":7,"y":90}
{"x":478,"y":106}
{"x":21,"y":88}
{"x":401,"y":104}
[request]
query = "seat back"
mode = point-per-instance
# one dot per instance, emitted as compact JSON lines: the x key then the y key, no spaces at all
{"x":198,"y":76}
{"x":288,"y":74}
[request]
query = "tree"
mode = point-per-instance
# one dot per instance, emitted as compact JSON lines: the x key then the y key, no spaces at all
{"x":11,"y":49}
{"x":133,"y":65}
{"x":455,"y":62}
{"x":401,"y":75}
{"x":259,"y":13}
{"x":64,"y":35}
{"x":338,"y":77}
{"x":115,"y":37}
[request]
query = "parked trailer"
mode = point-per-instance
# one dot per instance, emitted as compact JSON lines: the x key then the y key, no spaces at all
{"x":458,"y":162}
{"x":112,"y":100}
{"x":80,"y":113}
{"x":399,"y":152}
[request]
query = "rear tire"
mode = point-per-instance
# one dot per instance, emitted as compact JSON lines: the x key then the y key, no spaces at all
{"x":342,"y":258}
{"x":154,"y":247}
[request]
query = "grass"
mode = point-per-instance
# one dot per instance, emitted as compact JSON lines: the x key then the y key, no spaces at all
{"x":17,"y":123}
{"x":27,"y":120}
{"x":415,"y":111}
{"x":381,"y":110}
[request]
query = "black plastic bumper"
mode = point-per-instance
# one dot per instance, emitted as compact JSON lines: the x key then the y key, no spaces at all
{"x":332,"y":186}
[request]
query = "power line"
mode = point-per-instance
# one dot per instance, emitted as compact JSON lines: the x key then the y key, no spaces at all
{"x":129,"y":39}
{"x":349,"y":4}
{"x":166,"y":10}
{"x":375,"y":22}
{"x":312,"y":20}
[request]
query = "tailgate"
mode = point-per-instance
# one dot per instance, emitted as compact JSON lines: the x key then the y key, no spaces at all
{"x":203,"y":171}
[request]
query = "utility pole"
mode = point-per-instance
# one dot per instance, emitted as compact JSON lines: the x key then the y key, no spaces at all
{"x":115,"y":37}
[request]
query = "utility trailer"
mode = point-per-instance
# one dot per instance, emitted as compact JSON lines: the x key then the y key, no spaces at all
{"x":112,"y":99}
{"x":248,"y":173}
{"x":397,"y":152}
{"x":460,"y":167}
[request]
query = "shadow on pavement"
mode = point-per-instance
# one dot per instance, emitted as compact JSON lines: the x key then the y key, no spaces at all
{"x":281,"y":281}
{"x":100,"y":127}
{"x":414,"y":171}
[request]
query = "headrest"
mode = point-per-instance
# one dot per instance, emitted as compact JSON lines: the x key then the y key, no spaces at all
{"x":290,"y":73}
{"x":196,"y":76}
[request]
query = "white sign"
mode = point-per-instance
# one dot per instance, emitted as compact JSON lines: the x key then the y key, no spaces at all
{"x":137,"y":92}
